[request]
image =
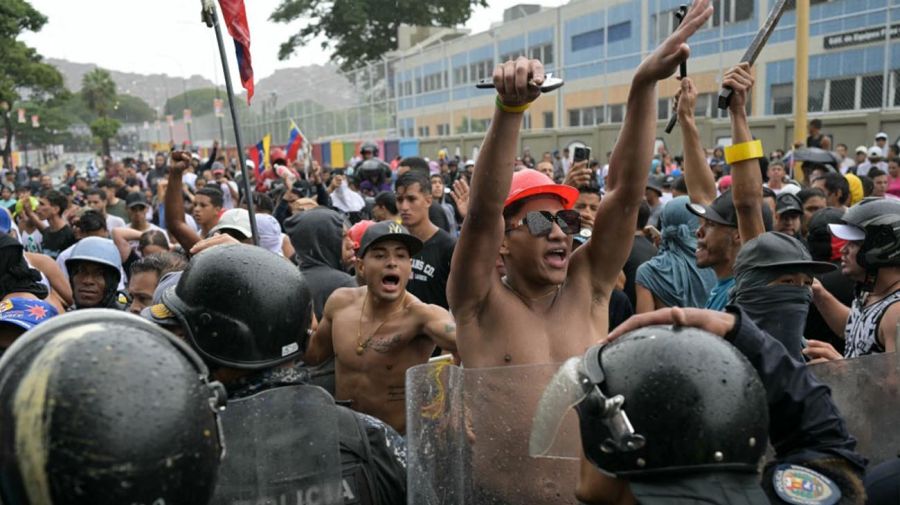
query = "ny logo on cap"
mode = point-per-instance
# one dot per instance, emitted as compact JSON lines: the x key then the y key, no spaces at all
{"x":395,"y":228}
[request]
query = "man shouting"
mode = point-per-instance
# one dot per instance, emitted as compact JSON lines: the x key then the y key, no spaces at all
{"x":378,"y":331}
{"x":553,"y":302}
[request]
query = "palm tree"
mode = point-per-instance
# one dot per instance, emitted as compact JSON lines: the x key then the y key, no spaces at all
{"x":99,"y":94}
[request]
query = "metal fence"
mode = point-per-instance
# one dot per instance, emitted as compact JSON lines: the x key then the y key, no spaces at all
{"x":855,"y":70}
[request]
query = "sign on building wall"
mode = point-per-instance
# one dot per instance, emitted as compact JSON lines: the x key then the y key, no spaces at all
{"x":859,"y":37}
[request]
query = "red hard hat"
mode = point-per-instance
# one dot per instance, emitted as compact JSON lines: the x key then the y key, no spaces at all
{"x":277,"y":153}
{"x":529,"y":182}
{"x":357,"y":231}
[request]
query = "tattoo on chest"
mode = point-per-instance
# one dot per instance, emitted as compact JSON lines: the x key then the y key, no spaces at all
{"x":396,"y":393}
{"x":386,"y":345}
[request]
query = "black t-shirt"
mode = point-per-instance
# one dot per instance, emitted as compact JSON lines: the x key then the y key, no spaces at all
{"x":431,"y":268}
{"x":641,"y":252}
{"x":55,"y":242}
{"x":437,"y":216}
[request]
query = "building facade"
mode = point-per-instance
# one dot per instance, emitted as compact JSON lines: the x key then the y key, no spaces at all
{"x":596,"y":46}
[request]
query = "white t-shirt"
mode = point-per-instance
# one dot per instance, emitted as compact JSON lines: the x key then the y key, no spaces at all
{"x":189,"y":179}
{"x":32,"y":242}
{"x":227,"y":199}
{"x":114,"y":222}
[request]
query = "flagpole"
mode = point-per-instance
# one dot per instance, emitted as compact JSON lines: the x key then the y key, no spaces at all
{"x":212,"y":20}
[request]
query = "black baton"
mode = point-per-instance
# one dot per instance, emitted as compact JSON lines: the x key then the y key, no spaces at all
{"x":682,"y":69}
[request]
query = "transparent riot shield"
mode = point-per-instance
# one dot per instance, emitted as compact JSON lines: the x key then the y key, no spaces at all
{"x":468,"y":438}
{"x":867,"y":392}
{"x":281,"y":449}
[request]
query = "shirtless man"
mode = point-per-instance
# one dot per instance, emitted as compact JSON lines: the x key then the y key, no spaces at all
{"x":553,"y":303}
{"x":379,"y":331}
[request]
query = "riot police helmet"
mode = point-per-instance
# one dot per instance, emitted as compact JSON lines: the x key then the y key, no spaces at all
{"x":693,"y":404}
{"x":243,"y":307}
{"x":100,"y":407}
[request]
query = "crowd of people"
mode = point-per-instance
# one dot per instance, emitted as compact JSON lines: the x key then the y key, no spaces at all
{"x":350,"y":276}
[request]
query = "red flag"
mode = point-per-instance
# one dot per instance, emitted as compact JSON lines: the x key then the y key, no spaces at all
{"x":236,"y":21}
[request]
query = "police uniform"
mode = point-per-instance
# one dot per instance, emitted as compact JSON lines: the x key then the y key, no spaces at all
{"x":373,"y":455}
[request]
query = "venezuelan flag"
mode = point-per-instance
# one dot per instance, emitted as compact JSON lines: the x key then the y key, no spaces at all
{"x":236,"y":20}
{"x":295,"y":142}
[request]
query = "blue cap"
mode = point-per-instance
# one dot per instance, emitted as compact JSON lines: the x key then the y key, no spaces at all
{"x":5,"y":221}
{"x":26,"y":313}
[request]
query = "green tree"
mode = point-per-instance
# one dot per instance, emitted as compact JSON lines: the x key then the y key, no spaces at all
{"x":98,"y":91}
{"x":200,"y":101}
{"x":362,"y":31}
{"x":103,"y":129}
{"x":22,"y":72}
{"x":132,"y":109}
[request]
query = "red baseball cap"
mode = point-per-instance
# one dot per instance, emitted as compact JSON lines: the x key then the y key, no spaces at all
{"x":529,"y":182}
{"x":357,"y":231}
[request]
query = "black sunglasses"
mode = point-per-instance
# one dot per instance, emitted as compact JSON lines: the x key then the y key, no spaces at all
{"x":540,"y":222}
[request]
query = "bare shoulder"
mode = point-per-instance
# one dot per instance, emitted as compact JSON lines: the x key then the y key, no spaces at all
{"x":427,"y":312}
{"x":343,"y":297}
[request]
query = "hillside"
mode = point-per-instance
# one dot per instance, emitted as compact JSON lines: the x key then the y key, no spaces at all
{"x":318,"y":83}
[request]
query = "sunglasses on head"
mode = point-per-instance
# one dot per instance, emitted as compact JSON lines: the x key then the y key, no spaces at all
{"x":540,"y":222}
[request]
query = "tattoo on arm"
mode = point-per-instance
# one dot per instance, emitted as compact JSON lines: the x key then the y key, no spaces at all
{"x":450,"y":329}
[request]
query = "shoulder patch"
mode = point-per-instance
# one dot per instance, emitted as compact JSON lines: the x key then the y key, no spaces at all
{"x":160,"y":311}
{"x":798,"y":485}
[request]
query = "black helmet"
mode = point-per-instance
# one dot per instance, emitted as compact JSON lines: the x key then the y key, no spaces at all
{"x":868,"y":209}
{"x":881,"y":247}
{"x":694,"y":401}
{"x":369,"y":146}
{"x":243,"y":307}
{"x":101,"y":407}
{"x":372,"y":168}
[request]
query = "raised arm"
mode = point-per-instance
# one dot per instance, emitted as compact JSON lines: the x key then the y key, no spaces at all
{"x":55,"y":276}
{"x":474,"y":260}
{"x":121,"y":236}
{"x":833,"y":311}
{"x":701,"y":184}
{"x":746,"y":177}
{"x":174,"y":203}
{"x":440,"y":327}
{"x":614,"y":225}
{"x":36,"y":221}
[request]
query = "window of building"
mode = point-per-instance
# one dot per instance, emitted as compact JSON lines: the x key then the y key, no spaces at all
{"x":588,"y":116}
{"x":816,"y":96}
{"x":574,"y":117}
{"x":706,"y":105}
{"x":620,"y":31}
{"x":842,"y":95}
{"x":543,"y":52}
{"x":792,"y":4}
{"x":617,"y":113}
{"x":512,"y":56}
{"x":443,"y":129}
{"x":424,"y":131}
{"x":481,"y":70}
{"x":662,"y":109}
{"x":418,"y":85}
{"x":526,"y":121}
{"x":730,"y":11}
{"x":587,"y":40}
{"x":548,"y":119}
{"x":461,"y":75}
{"x":872,"y":89}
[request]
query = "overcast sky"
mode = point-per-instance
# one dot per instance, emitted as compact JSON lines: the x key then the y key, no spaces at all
{"x":167,"y":35}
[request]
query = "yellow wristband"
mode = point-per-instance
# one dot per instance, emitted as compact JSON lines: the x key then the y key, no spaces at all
{"x":515,"y":109}
{"x":742,"y":152}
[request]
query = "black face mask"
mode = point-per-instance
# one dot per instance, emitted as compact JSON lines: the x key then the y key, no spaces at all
{"x":780,"y":311}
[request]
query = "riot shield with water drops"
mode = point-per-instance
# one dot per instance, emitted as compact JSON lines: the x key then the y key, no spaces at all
{"x":282,"y":449}
{"x":468,"y":434}
{"x":867,"y":392}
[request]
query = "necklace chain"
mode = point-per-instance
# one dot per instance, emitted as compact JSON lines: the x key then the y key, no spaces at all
{"x":362,"y":346}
